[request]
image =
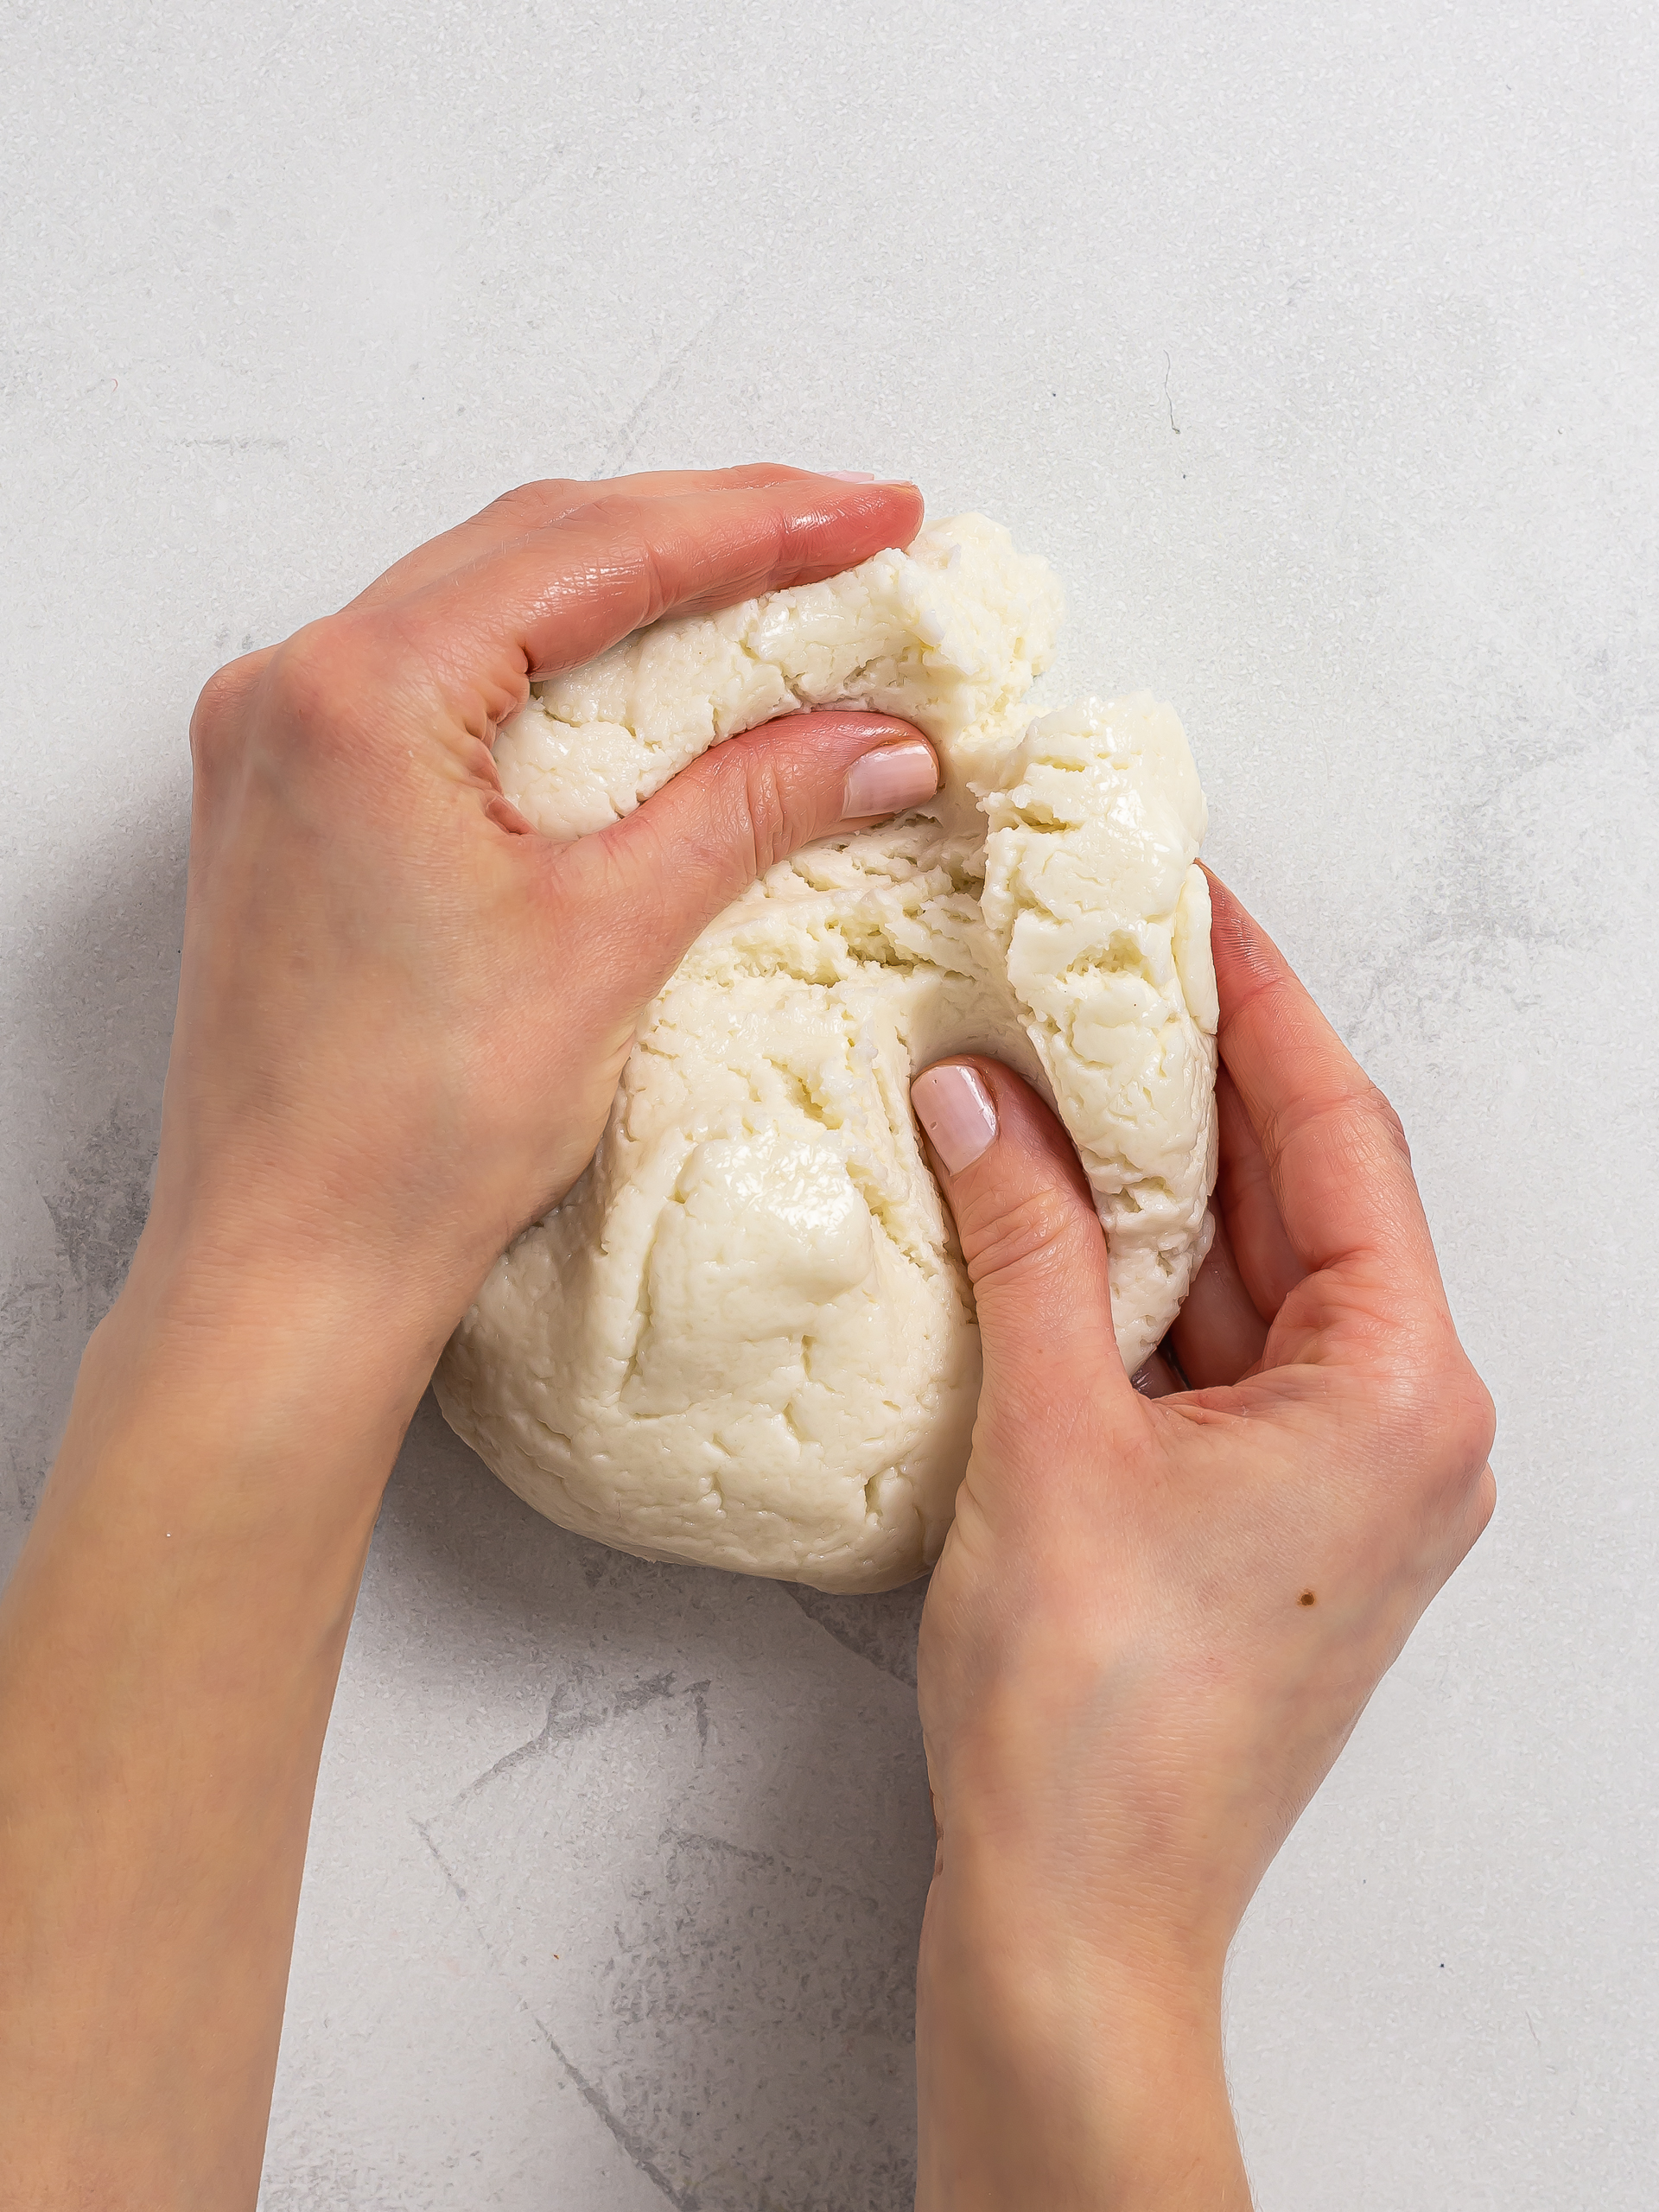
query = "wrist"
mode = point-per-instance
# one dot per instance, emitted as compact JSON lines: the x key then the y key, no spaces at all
{"x":377,"y":1273}
{"x":229,"y":1300}
{"x":1058,"y":2070}
{"x":252,"y":1396}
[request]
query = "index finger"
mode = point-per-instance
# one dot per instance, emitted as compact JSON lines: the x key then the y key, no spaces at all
{"x":1336,"y":1153}
{"x":547,"y":500}
{"x":554,"y":599}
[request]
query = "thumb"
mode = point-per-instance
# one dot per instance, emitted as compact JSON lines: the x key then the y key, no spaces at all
{"x":1034,"y":1247}
{"x":651,"y":881}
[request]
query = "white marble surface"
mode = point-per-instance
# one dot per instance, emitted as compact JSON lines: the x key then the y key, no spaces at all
{"x":1317,"y":346}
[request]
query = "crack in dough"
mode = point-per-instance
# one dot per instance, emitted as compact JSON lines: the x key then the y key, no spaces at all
{"x":746,"y":1337}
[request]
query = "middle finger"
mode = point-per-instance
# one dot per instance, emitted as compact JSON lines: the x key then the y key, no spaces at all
{"x":1217,"y":1335}
{"x":554,"y":598}
{"x":1264,"y":1256}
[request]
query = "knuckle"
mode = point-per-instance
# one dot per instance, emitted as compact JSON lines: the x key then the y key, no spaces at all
{"x":529,"y":507}
{"x":623,"y":514}
{"x":656,"y":580}
{"x":214,"y":715}
{"x":1016,"y":1242}
{"x":1456,"y":1408}
{"x":1484,"y":1504}
{"x":1437,"y":1423}
{"x":1355,"y":1123}
{"x":219,"y":715}
{"x":770,"y":823}
{"x":746,"y":776}
{"x":1473,"y":1424}
{"x":1378,"y":1112}
{"x":620,"y":521}
{"x":317,"y":680}
{"x":308,"y":668}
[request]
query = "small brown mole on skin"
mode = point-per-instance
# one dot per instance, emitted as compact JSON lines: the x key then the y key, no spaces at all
{"x":1307,"y":1598}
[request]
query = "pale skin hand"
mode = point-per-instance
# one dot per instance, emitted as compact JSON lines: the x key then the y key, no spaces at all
{"x":401,"y":1020}
{"x":1158,"y":1618}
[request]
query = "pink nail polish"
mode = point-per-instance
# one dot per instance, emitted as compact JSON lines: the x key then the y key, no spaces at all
{"x":955,"y":1107}
{"x":887,"y":781}
{"x":850,"y":475}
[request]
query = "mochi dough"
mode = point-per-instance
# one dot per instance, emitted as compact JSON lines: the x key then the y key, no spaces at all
{"x":746,"y":1337}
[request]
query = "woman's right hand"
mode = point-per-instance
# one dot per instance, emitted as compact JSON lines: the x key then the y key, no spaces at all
{"x":1157,"y":1618}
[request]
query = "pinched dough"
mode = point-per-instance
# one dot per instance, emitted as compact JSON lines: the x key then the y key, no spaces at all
{"x":746,"y":1337}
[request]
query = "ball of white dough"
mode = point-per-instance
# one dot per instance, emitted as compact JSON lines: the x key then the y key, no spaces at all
{"x":746,"y":1337}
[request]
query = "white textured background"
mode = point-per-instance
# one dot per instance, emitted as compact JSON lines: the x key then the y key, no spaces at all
{"x":1316,"y":346}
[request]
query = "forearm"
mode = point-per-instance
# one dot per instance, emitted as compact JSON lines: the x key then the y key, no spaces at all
{"x":168,"y":1651}
{"x":1054,"y":2078}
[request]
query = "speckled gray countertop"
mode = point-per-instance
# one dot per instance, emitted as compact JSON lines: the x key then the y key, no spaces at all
{"x":1317,"y":348}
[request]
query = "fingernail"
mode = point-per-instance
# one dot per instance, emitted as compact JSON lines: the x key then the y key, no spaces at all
{"x":955,"y":1107}
{"x":1155,"y":1378}
{"x":850,"y":475}
{"x":887,"y":781}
